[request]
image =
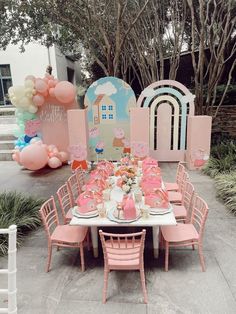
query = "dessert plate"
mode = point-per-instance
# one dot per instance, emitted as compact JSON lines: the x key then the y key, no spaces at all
{"x":112,"y":217}
{"x":76,"y":213}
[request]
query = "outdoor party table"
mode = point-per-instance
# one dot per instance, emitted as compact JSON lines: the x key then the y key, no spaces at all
{"x":154,"y":221}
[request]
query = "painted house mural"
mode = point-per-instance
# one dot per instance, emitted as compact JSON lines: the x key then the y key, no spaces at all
{"x":108,"y":101}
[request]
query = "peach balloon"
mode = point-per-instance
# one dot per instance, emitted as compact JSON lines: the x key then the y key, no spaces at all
{"x":65,"y":92}
{"x":34,"y":157}
{"x":40,"y":85}
{"x":51,"y":92}
{"x":54,"y":162}
{"x":51,"y":83}
{"x":38,"y":100}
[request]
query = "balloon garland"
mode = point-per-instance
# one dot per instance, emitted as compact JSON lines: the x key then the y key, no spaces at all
{"x":30,"y":151}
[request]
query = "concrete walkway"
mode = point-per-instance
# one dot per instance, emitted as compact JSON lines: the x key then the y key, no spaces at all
{"x":65,"y":290}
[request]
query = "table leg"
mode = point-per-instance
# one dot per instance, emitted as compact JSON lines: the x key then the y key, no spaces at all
{"x":155,"y":237}
{"x":94,"y":235}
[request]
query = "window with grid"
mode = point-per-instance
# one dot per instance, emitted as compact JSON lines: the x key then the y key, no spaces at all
{"x":5,"y":83}
{"x":104,"y":107}
{"x":110,"y":107}
{"x":110,"y":116}
{"x":104,"y":116}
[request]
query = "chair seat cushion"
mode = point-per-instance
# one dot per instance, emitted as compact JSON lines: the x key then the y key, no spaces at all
{"x":175,"y":197}
{"x":179,"y":233}
{"x":69,"y":234}
{"x":171,"y":186}
{"x":179,"y":211}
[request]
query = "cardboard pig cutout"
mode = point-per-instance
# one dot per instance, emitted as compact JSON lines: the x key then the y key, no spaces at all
{"x":78,"y":156}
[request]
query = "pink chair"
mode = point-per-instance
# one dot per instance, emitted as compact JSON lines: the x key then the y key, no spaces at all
{"x":80,"y":178}
{"x":66,"y":203}
{"x":177,"y":196}
{"x":182,"y":211}
{"x":175,"y":186}
{"x":61,"y":235}
{"x":74,"y":188}
{"x":188,"y":234}
{"x":123,"y":252}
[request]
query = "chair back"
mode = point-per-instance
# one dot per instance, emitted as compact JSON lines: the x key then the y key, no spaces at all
{"x":123,"y":247}
{"x":80,"y":178}
{"x":73,"y":188}
{"x":185,"y":177}
{"x":179,"y":173}
{"x":188,"y":193}
{"x":199,"y":214}
{"x":49,"y":215}
{"x":65,"y":200}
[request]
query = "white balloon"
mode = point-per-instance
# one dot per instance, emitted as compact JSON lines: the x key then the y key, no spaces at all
{"x":32,"y":109}
{"x":29,"y":83}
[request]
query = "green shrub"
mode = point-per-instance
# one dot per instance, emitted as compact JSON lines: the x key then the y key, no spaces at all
{"x":222,"y":159}
{"x":226,"y":189}
{"x":15,"y":208}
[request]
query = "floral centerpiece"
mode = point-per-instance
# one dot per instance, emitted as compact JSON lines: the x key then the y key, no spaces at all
{"x":127,"y":179}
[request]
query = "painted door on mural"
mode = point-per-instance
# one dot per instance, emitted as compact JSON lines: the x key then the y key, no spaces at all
{"x":108,"y":101}
{"x":170,"y":103}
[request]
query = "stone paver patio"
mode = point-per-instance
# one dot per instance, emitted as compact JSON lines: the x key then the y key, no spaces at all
{"x":65,"y":290}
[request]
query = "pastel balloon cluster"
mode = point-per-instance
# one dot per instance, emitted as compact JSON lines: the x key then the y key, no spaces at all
{"x":37,"y":155}
{"x":37,"y":91}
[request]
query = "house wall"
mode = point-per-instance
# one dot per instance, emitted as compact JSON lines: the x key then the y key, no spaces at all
{"x":33,"y":61}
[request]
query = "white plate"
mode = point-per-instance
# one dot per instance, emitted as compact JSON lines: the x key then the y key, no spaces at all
{"x":77,"y":214}
{"x":110,"y":216}
{"x":160,"y":211}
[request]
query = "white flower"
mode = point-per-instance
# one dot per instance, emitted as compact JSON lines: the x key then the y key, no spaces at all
{"x":125,"y":188}
{"x":130,"y":181}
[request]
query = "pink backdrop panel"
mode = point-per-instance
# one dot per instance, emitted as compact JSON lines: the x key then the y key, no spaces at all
{"x":78,"y":127}
{"x":139,"y":125}
{"x":54,"y":126}
{"x":198,"y":141}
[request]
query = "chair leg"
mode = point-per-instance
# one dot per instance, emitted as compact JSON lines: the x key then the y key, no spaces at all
{"x":81,"y":248}
{"x":143,"y":285}
{"x":49,"y":257}
{"x":201,"y":257}
{"x":88,"y":240}
{"x":104,"y":294}
{"x":166,"y":256}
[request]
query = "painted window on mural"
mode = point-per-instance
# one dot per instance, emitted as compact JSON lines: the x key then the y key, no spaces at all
{"x":110,"y":107}
{"x":110,"y":116}
{"x":104,"y":116}
{"x":104,"y":107}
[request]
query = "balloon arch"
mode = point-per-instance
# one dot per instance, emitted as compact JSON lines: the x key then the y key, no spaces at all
{"x":30,"y":99}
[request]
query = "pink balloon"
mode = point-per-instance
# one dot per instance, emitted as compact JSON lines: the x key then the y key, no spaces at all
{"x":51,"y":92}
{"x":65,"y":92}
{"x":63,"y":156}
{"x":34,"y":157}
{"x":54,"y":162}
{"x":38,"y":100}
{"x":56,"y":82}
{"x":51,"y":83}
{"x":40,"y":85}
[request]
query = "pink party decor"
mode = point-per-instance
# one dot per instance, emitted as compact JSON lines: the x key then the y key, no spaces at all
{"x":37,"y":155}
{"x":150,"y":183}
{"x":86,"y":202}
{"x":129,"y":208}
{"x":158,"y":199}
